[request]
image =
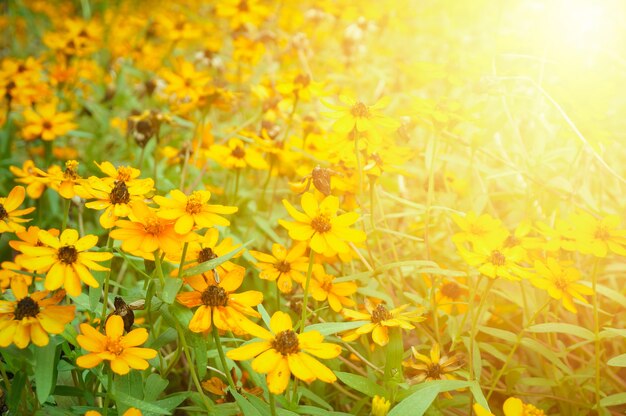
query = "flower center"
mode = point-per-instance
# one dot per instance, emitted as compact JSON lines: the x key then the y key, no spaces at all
{"x":530,"y":410}
{"x":124,"y":173}
{"x":238,"y":152}
{"x":283,"y":267}
{"x":119,"y":194}
{"x":380,"y":313}
{"x":194,"y":203}
{"x":497,"y":258}
{"x":26,"y":308}
{"x":70,"y":170}
{"x":3,"y":213}
{"x":47,"y":125}
{"x":433,"y":371}
{"x":360,"y":110}
{"x":67,"y":254}
{"x":286,"y":342}
{"x":206,"y":254}
{"x":451,"y":290}
{"x":113,"y":346}
{"x":561,"y":283}
{"x":511,"y":241}
{"x":321,"y":224}
{"x":153,"y":226}
{"x":214,"y":296}
{"x":602,"y":233}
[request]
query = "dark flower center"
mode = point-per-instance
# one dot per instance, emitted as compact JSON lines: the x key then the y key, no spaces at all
{"x":360,"y":110}
{"x":3,"y":213}
{"x":286,"y":342}
{"x":47,"y":125}
{"x":451,"y":290}
{"x":238,"y":152}
{"x":561,"y":283}
{"x":283,"y":267}
{"x":497,"y":258}
{"x":26,"y":308}
{"x":119,"y":194}
{"x":321,"y":224}
{"x":206,"y":254}
{"x":380,"y":313}
{"x":602,"y":233}
{"x":433,"y":371}
{"x":67,"y":254}
{"x":214,"y":296}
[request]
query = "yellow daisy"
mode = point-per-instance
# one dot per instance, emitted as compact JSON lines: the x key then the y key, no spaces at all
{"x":9,"y":214}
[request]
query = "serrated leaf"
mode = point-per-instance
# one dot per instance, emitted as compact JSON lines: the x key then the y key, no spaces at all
{"x":561,"y":328}
{"x":46,"y":359}
{"x":329,"y":328}
{"x":361,"y":384}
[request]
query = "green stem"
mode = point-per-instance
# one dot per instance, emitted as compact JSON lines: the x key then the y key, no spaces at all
{"x":107,"y":398}
{"x":66,"y":214}
{"x":518,"y":340}
{"x":277,"y":296}
{"x":272,"y":404}
{"x":357,"y":154}
{"x":220,"y":352}
{"x":159,"y":268}
{"x":475,"y":318}
{"x":596,"y":331}
{"x":182,"y":260}
{"x":3,"y":372}
{"x":105,"y":290}
{"x":192,"y":367}
{"x":305,"y":297}
{"x":236,"y":185}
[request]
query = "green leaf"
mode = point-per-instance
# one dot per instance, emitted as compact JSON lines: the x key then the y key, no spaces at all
{"x":417,"y":403}
{"x":155,"y":385}
{"x":139,"y":404}
{"x":329,"y":328}
{"x":17,"y":386}
{"x":361,"y":384}
{"x":212,"y":264}
{"x":499,"y":333}
{"x":172,"y":286}
{"x":173,"y":400}
{"x":619,"y":361}
{"x":478,"y":394}
{"x":46,"y":359}
{"x":246,"y":407}
{"x":560,"y":328}
{"x":613,"y":400}
{"x":393,"y":355}
{"x":316,"y":411}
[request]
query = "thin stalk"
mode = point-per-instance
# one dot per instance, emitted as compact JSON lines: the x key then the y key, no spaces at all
{"x":66,"y":213}
{"x":182,"y":260}
{"x":305,"y":297}
{"x":192,"y":367}
{"x":596,"y":331}
{"x":357,"y":154}
{"x":107,"y":398}
{"x":272,"y":404}
{"x":236,"y":185}
{"x":105,"y":289}
{"x":3,"y":372}
{"x":159,"y":268}
{"x":220,"y":352}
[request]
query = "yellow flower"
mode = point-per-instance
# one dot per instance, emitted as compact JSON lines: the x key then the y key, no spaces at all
{"x":145,"y":232}
{"x":206,"y":248}
{"x":433,"y":367}
{"x":381,"y":319}
{"x":283,"y":265}
{"x":121,"y":350}
{"x":192,"y":211}
{"x":598,"y":237}
{"x":242,"y":12}
{"x":66,"y":260}
{"x":357,"y":116}
{"x":46,"y":123}
{"x":326,"y":232}
{"x":32,"y":317}
{"x":10,"y":275}
{"x":115,"y":198}
{"x":477,"y":230}
{"x":32,"y":177}
{"x":218,"y":304}
{"x":63,"y":181}
{"x":380,"y":406}
{"x":494,"y":260}
{"x":561,"y":282}
{"x":322,"y":287}
{"x":512,"y":407}
{"x":9,"y":214}
{"x":235,"y":154}
{"x":283,"y":352}
{"x":126,"y":174}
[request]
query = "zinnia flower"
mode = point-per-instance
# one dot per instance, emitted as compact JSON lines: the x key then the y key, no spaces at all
{"x":283,"y":352}
{"x":598,"y":237}
{"x":561,"y":282}
{"x":218,"y":305}
{"x":360,"y":117}
{"x":283,"y":265}
{"x":32,"y":317}
{"x":512,"y":407}
{"x":326,"y":232}
{"x":121,"y":350}
{"x":46,"y":123}
{"x":434,"y":366}
{"x":9,"y":214}
{"x":66,"y":260}
{"x":192,"y":210}
{"x":323,"y":287}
